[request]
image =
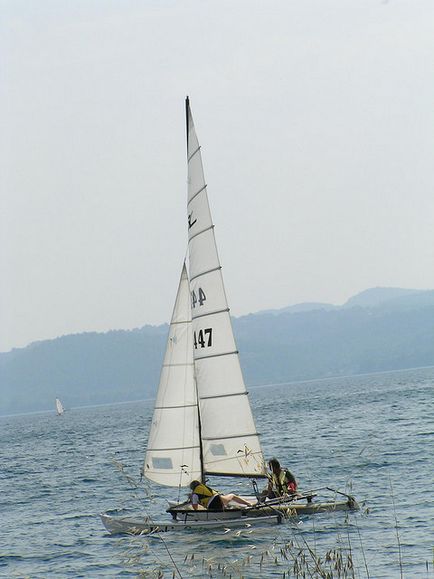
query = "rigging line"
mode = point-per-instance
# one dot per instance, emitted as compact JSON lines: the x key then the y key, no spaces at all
{"x":205,"y":272}
{"x":196,"y":194}
{"x":193,"y":154}
{"x":200,"y":232}
{"x":215,"y":355}
{"x":211,"y":313}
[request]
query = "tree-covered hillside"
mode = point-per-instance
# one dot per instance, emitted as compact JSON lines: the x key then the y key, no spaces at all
{"x":368,"y":334}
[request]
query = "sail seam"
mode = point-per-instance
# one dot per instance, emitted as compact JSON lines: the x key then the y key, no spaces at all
{"x":180,"y":322}
{"x":196,"y":194}
{"x":205,"y":272}
{"x":211,"y":313}
{"x":200,"y":233}
{"x":178,"y":364}
{"x":170,"y":407}
{"x":228,"y":437}
{"x":193,"y":154}
{"x":216,"y":355}
{"x":224,"y":395}
{"x":176,"y":448}
{"x":237,"y":474}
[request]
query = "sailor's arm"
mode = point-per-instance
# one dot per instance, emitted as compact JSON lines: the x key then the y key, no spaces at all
{"x":194,"y":501}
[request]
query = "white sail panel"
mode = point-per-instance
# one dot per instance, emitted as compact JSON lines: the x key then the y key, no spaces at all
{"x":198,"y":211}
{"x":179,"y":342}
{"x":215,"y":351}
{"x":159,"y":466}
{"x":207,"y":294}
{"x":223,"y":424}
{"x":212,"y":336}
{"x":240,"y":456}
{"x":195,"y":177}
{"x":59,"y":407}
{"x":196,"y":180}
{"x":173,"y":453}
{"x":181,"y":310}
{"x":218,"y":375}
{"x":203,"y":254}
{"x":170,"y":460}
{"x":228,"y":435}
{"x":182,"y":375}
{"x":172,"y":424}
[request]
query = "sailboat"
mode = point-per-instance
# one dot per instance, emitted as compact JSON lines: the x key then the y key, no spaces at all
{"x":59,"y":407}
{"x":203,"y":424}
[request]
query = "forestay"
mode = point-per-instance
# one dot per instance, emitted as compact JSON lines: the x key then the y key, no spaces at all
{"x":230,"y":443}
{"x":173,"y":453}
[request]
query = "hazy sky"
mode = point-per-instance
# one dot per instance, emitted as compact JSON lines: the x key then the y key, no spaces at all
{"x":316,"y":119}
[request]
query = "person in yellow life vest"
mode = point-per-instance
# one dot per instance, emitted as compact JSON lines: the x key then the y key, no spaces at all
{"x":210,"y":499}
{"x":281,"y":481}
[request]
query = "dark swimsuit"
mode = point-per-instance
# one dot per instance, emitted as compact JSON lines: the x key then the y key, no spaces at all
{"x":216,"y":504}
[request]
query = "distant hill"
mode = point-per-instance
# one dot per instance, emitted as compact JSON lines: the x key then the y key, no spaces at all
{"x":304,"y":307}
{"x":366,"y":299}
{"x":379,"y":329}
{"x":380,"y":295}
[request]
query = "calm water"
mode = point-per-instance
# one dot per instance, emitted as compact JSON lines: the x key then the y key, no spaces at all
{"x":372,"y":434}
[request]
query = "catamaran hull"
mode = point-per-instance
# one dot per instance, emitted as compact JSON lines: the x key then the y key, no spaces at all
{"x":143,"y":526}
{"x":185,"y":518}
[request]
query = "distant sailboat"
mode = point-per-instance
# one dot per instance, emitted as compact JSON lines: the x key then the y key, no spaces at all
{"x":59,"y":407}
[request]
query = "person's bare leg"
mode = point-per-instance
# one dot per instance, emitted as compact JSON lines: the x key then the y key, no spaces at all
{"x":236,"y":499}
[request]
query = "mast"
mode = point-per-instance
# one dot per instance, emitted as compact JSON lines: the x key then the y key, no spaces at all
{"x":187,"y":108}
{"x":230,"y":442}
{"x":202,"y":469}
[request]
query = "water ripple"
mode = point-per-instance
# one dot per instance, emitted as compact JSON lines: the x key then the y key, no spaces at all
{"x":369,"y":434}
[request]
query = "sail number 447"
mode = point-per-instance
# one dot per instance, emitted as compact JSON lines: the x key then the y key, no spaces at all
{"x":203,"y":338}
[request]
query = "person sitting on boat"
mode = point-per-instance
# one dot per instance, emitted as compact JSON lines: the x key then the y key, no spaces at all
{"x":281,"y":481}
{"x":212,"y":500}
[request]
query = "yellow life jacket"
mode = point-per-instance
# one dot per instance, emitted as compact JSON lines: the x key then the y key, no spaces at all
{"x":279,"y":482}
{"x":204,"y":493}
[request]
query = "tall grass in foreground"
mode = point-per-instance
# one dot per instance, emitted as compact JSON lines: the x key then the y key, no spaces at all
{"x":295,"y":558}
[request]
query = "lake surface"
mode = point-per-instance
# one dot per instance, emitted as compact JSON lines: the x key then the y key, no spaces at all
{"x":371,"y":435}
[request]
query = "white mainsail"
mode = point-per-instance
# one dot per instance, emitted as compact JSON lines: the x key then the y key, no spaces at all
{"x":173,"y":453}
{"x":230,"y":442}
{"x":59,"y":407}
